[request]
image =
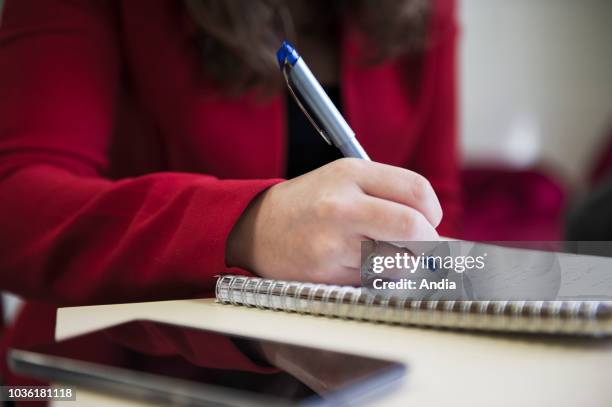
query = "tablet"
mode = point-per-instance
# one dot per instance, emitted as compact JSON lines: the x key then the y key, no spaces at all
{"x":162,"y":363}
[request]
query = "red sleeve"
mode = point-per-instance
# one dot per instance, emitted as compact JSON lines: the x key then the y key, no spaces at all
{"x":436,"y":155}
{"x":69,"y":235}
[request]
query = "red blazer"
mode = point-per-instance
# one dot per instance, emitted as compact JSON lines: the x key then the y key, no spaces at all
{"x":123,"y":169}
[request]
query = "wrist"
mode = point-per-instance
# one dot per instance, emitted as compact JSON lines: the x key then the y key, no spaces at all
{"x":240,"y":245}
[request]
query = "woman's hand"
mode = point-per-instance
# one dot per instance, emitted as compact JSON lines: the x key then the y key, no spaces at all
{"x":310,"y":228}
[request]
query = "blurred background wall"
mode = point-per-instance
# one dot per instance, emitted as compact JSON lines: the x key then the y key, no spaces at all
{"x":536,"y":82}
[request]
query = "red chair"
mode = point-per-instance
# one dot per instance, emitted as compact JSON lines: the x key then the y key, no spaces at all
{"x":502,"y":204}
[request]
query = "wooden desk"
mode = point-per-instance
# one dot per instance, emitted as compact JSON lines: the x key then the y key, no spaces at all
{"x":445,"y":368}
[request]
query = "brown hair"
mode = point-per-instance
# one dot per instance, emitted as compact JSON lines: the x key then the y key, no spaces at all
{"x":239,"y":38}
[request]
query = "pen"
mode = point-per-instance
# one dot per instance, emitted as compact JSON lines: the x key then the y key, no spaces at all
{"x":335,"y":130}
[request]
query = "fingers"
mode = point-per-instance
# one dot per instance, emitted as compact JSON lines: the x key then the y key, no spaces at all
{"x":390,"y":221}
{"x":339,"y":275}
{"x":352,"y":253}
{"x":401,"y":186}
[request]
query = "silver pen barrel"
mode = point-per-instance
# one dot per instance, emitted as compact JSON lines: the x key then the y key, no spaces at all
{"x":336,"y":128}
{"x":353,"y":150}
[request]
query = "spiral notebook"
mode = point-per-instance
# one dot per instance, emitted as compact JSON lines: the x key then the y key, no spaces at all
{"x":587,"y":318}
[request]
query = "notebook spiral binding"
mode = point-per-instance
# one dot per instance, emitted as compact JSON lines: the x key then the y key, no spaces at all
{"x":560,"y":317}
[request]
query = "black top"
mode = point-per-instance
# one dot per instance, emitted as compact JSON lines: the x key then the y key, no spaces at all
{"x":306,"y":149}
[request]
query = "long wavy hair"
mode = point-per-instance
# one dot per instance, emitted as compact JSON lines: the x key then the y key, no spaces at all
{"x":239,"y":38}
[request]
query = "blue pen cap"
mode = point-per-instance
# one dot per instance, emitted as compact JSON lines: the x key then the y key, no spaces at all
{"x":287,"y":52}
